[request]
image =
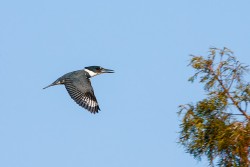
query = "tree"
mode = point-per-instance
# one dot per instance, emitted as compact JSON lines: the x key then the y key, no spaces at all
{"x":218,"y":127}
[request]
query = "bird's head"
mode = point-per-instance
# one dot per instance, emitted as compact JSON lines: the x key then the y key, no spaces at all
{"x":96,"y":70}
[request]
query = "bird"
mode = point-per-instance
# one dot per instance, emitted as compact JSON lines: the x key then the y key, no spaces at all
{"x":79,"y":87}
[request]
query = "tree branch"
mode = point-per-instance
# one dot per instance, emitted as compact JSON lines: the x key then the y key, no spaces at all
{"x":228,"y":94}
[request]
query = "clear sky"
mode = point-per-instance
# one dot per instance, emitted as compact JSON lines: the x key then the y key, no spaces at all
{"x":147,"y":43}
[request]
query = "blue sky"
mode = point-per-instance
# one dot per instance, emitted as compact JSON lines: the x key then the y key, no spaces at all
{"x":147,"y":43}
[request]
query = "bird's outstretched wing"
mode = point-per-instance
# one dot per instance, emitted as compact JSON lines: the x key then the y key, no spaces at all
{"x":82,"y":94}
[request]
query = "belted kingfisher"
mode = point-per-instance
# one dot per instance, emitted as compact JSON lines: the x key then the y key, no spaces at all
{"x":79,"y":86}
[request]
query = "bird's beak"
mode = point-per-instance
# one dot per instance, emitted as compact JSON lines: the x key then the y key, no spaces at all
{"x":107,"y":71}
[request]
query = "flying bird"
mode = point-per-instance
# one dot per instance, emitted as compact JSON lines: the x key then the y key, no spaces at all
{"x":78,"y":85}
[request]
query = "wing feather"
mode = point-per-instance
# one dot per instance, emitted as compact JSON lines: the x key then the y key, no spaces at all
{"x":84,"y":98}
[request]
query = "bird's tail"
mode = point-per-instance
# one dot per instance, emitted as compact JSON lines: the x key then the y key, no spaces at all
{"x":57,"y":82}
{"x":48,"y":86}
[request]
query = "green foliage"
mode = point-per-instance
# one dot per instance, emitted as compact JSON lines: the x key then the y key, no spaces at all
{"x":218,"y":127}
